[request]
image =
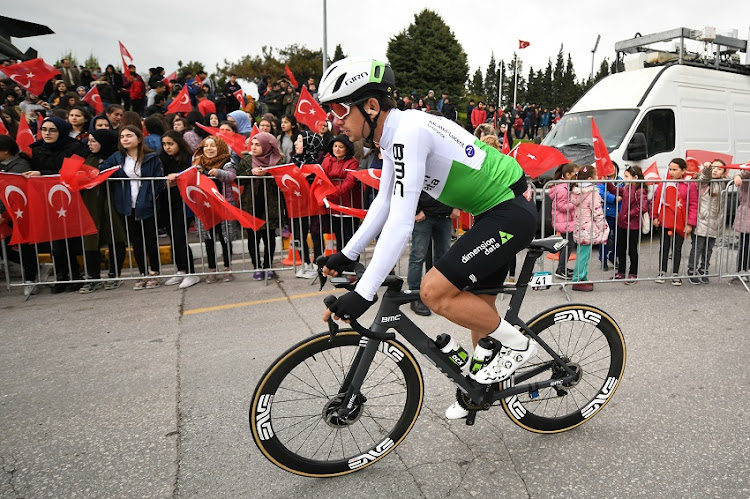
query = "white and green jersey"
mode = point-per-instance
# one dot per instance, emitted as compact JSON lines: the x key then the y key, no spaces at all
{"x":422,"y":152}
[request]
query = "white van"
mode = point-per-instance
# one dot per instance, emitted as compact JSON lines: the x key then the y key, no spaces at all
{"x":654,"y":114}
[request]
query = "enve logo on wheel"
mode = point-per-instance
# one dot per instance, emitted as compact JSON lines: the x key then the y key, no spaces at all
{"x":263,"y":417}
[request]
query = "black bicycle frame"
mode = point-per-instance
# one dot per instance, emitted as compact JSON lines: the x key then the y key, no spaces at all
{"x":390,"y":317}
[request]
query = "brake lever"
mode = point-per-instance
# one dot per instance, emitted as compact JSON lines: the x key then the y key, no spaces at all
{"x":333,"y":328}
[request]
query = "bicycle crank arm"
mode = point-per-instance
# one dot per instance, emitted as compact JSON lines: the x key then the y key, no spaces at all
{"x":531,"y":387}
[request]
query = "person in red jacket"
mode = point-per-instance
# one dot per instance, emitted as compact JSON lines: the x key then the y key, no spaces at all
{"x":338,"y":164}
{"x":478,"y":115}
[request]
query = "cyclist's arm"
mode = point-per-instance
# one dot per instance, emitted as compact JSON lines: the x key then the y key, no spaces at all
{"x":376,"y":215}
{"x":404,"y":195}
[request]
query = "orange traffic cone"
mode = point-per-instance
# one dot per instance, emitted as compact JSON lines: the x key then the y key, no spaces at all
{"x":293,"y":257}
{"x":330,"y":244}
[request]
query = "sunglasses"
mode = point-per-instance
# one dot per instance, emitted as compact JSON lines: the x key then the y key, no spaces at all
{"x":341,"y":109}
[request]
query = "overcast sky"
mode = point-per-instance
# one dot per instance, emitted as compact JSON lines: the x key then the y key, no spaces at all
{"x":161,"y":33}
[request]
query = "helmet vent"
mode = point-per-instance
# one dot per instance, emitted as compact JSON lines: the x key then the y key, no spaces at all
{"x":338,"y":83}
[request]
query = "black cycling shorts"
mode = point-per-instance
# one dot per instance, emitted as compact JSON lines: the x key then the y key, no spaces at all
{"x":481,"y":256}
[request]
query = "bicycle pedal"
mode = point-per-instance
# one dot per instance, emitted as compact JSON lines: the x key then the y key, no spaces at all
{"x":470,"y":418}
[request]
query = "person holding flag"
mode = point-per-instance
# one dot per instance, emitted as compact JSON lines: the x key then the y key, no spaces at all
{"x":675,"y":210}
{"x":338,"y":163}
{"x":425,"y":152}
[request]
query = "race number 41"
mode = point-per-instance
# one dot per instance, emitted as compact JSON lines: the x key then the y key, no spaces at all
{"x":541,"y":280}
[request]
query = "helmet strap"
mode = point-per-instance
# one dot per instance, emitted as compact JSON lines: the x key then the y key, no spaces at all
{"x":372,"y":123}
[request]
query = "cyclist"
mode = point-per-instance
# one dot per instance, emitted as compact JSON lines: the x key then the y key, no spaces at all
{"x":422,"y":152}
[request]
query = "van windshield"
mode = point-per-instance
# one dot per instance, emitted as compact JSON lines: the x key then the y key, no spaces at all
{"x":574,"y":129}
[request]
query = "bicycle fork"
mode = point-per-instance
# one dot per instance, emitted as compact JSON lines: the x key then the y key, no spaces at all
{"x":352,"y":384}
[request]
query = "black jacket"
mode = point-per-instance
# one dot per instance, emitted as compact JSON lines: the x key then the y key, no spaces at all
{"x":432,"y":207}
{"x":48,"y":161}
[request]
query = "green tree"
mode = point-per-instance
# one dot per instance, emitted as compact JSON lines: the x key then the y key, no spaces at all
{"x":476,"y":86}
{"x":571,"y":89}
{"x":491,"y":80}
{"x":192,"y":67}
{"x":303,"y":62}
{"x":426,"y":55}
{"x":557,"y":79}
{"x":68,"y":55}
{"x":546,"y":101}
{"x":91,"y":62}
{"x":338,"y":54}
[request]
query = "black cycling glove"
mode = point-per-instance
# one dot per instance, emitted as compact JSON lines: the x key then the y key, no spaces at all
{"x":351,"y":305}
{"x":339,"y":262}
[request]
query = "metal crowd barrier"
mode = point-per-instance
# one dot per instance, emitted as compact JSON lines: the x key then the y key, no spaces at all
{"x":45,"y":264}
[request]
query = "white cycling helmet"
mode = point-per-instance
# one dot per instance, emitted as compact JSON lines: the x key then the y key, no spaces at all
{"x":353,"y":78}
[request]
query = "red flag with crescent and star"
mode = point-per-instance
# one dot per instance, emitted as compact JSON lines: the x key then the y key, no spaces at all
{"x":94,"y":99}
{"x":43,"y":209}
{"x":31,"y":75}
{"x":370,"y":176}
{"x":76,"y":176}
{"x":651,"y":173}
{"x":181,"y":102}
{"x":240,"y":96}
{"x":669,"y":208}
{"x":203,"y":197}
{"x":24,"y":137}
{"x":603,"y":163}
{"x":536,"y":159}
{"x":523,"y":44}
{"x":739,"y":166}
{"x":321,"y":185}
{"x":297,"y":192}
{"x":309,"y":111}
{"x":123,"y":54}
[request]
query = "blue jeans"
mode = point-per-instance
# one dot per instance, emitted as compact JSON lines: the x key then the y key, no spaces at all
{"x":431,"y":229}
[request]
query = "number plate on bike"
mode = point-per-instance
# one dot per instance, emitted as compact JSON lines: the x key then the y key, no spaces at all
{"x":541,"y":280}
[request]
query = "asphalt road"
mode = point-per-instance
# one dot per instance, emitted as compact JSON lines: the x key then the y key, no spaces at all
{"x":145,"y":394}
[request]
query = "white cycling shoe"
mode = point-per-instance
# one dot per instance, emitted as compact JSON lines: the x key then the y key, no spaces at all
{"x":505,"y":363}
{"x":455,"y":411}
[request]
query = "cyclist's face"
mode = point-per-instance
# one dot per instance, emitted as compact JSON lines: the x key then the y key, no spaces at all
{"x":353,"y":124}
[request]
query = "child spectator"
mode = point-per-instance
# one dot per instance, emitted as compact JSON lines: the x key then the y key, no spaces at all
{"x":563,"y":216}
{"x":671,"y":224}
{"x":742,"y":222}
{"x":710,"y":220}
{"x":611,"y":207}
{"x":633,"y":200}
{"x":213,"y":158}
{"x":590,"y":226}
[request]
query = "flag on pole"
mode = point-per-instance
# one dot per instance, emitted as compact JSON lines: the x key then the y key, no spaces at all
{"x":168,"y":79}
{"x":181,"y":102}
{"x":536,"y":159}
{"x":309,"y":112}
{"x":651,"y":173}
{"x":24,"y":137}
{"x":602,"y":161}
{"x":123,"y":54}
{"x":93,"y":98}
{"x":289,"y":73}
{"x":522,"y":44}
{"x":31,"y":75}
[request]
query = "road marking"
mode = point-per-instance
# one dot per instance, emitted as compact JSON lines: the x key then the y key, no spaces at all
{"x":228,"y":306}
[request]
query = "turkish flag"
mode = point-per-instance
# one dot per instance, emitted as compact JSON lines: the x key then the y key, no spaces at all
{"x":370,"y":176}
{"x":181,"y":102}
{"x":168,"y":79}
{"x":240,"y":96}
{"x":255,"y":131}
{"x":24,"y":137}
{"x":536,"y":159}
{"x":651,"y":173}
{"x":39,"y":121}
{"x":739,"y":166}
{"x":94,"y":99}
{"x":345,"y":210}
{"x":123,"y":54}
{"x":670,"y":208}
{"x":522,"y":44}
{"x":201,"y":195}
{"x":696,"y":157}
{"x":289,"y":73}
{"x":31,"y":75}
{"x":603,"y":163}
{"x":3,"y":130}
{"x":321,"y":186}
{"x":13,"y":193}
{"x":309,"y":111}
{"x":58,"y":213}
{"x":235,"y":141}
{"x":77,"y":176}
{"x":506,"y":144}
{"x":297,"y":192}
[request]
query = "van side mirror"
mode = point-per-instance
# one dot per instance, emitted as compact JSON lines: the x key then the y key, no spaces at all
{"x":637,"y":148}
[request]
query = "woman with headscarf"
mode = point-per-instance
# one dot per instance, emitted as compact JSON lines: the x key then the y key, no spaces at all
{"x":176,"y":157}
{"x":47,"y":158}
{"x":213,"y":158}
{"x":338,"y":164}
{"x":136,"y":199}
{"x":243,"y":121}
{"x":109,"y":223}
{"x":307,"y":148}
{"x":261,"y":199}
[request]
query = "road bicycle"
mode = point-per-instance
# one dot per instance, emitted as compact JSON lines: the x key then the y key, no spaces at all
{"x":340,"y":401}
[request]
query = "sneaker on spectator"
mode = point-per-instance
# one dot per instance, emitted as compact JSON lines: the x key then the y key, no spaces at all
{"x":309,"y":273}
{"x":632,"y":279}
{"x":676,"y":281}
{"x":302,"y":269}
{"x":139,"y":284}
{"x":90,"y":287}
{"x":228,"y":276}
{"x":30,"y":288}
{"x":211,"y":278}
{"x":153,"y":280}
{"x":258,"y":275}
{"x":618,"y":276}
{"x":189,"y":280}
{"x":112,"y":284}
{"x":583,"y":286}
{"x":704,"y":279}
{"x":271,"y":274}
{"x":74,"y":286}
{"x":660,"y":278}
{"x":177,"y":279}
{"x":695,"y":278}
{"x":562,"y":275}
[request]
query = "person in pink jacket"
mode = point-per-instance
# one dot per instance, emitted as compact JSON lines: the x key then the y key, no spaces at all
{"x":634,"y":203}
{"x":338,"y":165}
{"x":590,"y":225}
{"x":674,"y":227}
{"x":563,"y":216}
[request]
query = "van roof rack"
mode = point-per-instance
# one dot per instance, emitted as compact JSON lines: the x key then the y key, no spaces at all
{"x":720,"y":52}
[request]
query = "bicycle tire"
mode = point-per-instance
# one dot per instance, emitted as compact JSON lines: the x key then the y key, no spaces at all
{"x":288,"y":407}
{"x":587,"y":337}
